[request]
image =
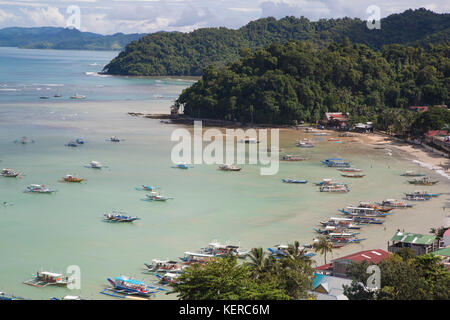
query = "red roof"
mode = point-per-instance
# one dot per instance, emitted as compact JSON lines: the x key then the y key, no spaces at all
{"x":374,"y":256}
{"x":419,"y":108}
{"x":447,"y":233}
{"x":325,"y":267}
{"x":433,"y":133}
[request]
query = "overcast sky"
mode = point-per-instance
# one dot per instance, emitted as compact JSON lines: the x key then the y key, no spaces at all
{"x":146,"y":16}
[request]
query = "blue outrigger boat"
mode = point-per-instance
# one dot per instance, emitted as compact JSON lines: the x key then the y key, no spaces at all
{"x":146,"y":188}
{"x":294,"y":181}
{"x":123,"y":287}
{"x":181,"y":166}
{"x":5,"y":296}
{"x":336,"y":163}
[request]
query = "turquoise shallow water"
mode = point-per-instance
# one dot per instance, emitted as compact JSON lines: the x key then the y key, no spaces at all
{"x":66,"y":228}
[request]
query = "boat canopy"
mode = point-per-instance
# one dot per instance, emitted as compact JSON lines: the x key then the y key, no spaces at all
{"x":50,"y":274}
{"x":128,"y":280}
{"x":197,"y":254}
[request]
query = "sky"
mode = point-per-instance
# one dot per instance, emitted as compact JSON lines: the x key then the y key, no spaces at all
{"x":147,"y":16}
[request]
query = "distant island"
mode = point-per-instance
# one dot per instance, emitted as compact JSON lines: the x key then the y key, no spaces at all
{"x":187,"y":54}
{"x":63,"y":39}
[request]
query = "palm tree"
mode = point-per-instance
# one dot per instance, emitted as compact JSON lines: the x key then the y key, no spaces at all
{"x":257,"y":262}
{"x":323,"y":246}
{"x":295,"y":251}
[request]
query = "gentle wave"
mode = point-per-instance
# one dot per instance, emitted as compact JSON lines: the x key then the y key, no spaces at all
{"x":96,"y":74}
{"x":437,"y":169}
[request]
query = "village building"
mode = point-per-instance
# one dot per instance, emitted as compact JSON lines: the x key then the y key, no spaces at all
{"x":338,"y":267}
{"x":329,"y":288}
{"x":418,"y":243}
{"x":337,"y":120}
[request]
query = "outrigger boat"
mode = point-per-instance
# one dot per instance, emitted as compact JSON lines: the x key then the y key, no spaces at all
{"x":330,"y":229}
{"x":5,"y":296}
{"x":417,"y":197}
{"x":392,"y":203}
{"x":294,"y":181}
{"x":423,"y":193}
{"x":79,"y":141}
{"x":336,"y":163}
{"x":114,"y":139}
{"x":78,"y":96}
{"x":335,"y":188}
{"x":37,"y":188}
{"x":145,"y":188}
{"x":340,"y":223}
{"x":281,"y":250}
{"x":123,"y":286}
{"x":378,"y":208}
{"x":290,"y":157}
{"x":45,"y":278}
{"x":349,"y":170}
{"x":155,"y":196}
{"x":165,"y":266}
{"x":329,"y":182}
{"x":412,"y":174}
{"x":181,"y":166}
{"x":24,"y":140}
{"x":196,"y":257}
{"x":168,"y":278}
{"x":118,"y":217}
{"x":249,"y":140}
{"x":228,"y":167}
{"x":9,"y":173}
{"x":71,"y":178}
{"x":352,"y":175}
{"x":72,"y":143}
{"x":366,"y":220}
{"x":425,"y":181}
{"x":217,"y":249}
{"x":302,"y":144}
{"x":95,"y":165}
{"x":363,"y":212}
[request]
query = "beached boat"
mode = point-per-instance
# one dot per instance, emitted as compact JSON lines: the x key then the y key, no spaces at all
{"x":349,"y":170}
{"x":294,"y":181}
{"x":412,"y":174}
{"x":38,"y":188}
{"x":228,"y":167}
{"x":118,"y":217}
{"x":374,"y":206}
{"x":425,"y":181}
{"x":331,"y":229}
{"x":340,"y":223}
{"x":158,"y":265}
{"x":9,"y":173}
{"x":417,"y":197}
{"x":423,"y":193}
{"x":78,"y":96}
{"x":45,"y":278}
{"x":334,"y":188}
{"x":71,"y":178}
{"x":95,"y":165}
{"x":346,"y":134}
{"x":364,"y":212}
{"x":359,"y":220}
{"x":393,"y":203}
{"x":290,"y":157}
{"x":352,"y":175}
{"x":305,"y":145}
{"x":336,"y":163}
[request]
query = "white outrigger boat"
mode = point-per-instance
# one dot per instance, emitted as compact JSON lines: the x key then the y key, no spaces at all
{"x":218,"y":249}
{"x":196,"y":257}
{"x":38,"y":188}
{"x":155,"y":196}
{"x":45,"y":278}
{"x":158,"y":265}
{"x":338,"y":188}
{"x":392,"y":203}
{"x":95,"y":165}
{"x":9,"y":173}
{"x":78,"y":96}
{"x":228,"y":167}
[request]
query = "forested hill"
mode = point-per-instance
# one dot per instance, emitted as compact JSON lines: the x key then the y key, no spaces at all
{"x":63,"y":38}
{"x":286,"y":84}
{"x":175,"y":53}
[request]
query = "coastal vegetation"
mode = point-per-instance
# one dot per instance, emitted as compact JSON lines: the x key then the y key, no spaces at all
{"x":261,"y":277}
{"x":63,"y":39}
{"x":403,"y":277}
{"x":298,"y":81}
{"x":188,"y":54}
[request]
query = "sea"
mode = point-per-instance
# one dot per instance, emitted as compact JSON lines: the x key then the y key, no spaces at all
{"x":53,"y":232}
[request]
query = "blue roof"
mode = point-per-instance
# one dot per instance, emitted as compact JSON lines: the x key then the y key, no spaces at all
{"x":318,"y":278}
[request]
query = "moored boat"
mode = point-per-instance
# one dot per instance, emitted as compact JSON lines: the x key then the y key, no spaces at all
{"x":294,"y":181}
{"x":119,"y":217}
{"x":114,"y":139}
{"x":158,"y":265}
{"x":334,"y":188}
{"x":423,"y":193}
{"x":38,"y":188}
{"x":290,"y":157}
{"x":95,"y":164}
{"x":336,"y":163}
{"x":71,"y":178}
{"x":196,"y":257}
{"x":155,"y":196}
{"x":352,"y":175}
{"x":228,"y":167}
{"x":349,"y":170}
{"x":425,"y":181}
{"x":412,"y":174}
{"x":78,"y":96}
{"x":72,"y":143}
{"x":9,"y":173}
{"x":45,"y":278}
{"x":123,"y":286}
{"x":393,"y":203}
{"x":417,"y":197}
{"x":181,"y":166}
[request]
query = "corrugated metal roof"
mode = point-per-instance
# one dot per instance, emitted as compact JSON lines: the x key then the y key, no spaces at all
{"x":442,"y":252}
{"x":415,"y":238}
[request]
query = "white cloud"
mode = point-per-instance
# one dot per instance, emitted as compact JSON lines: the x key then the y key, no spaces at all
{"x":6,"y":16}
{"x":49,"y":16}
